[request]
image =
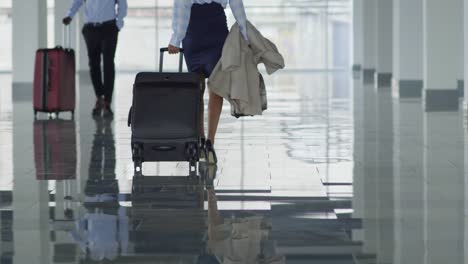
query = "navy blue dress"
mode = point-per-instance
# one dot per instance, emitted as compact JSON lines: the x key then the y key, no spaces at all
{"x":206,"y":33}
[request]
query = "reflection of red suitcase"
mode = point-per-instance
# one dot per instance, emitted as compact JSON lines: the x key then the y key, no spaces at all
{"x":54,"y":80}
{"x":55,"y":149}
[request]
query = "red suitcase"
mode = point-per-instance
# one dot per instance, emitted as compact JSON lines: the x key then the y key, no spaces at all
{"x":54,"y":80}
{"x":55,"y":149}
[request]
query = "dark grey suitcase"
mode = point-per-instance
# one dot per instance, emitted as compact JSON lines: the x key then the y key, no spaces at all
{"x":164,"y":117}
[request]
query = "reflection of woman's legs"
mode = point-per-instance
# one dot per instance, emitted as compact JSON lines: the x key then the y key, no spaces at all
{"x":215,"y":105}
{"x":202,"y":109}
{"x":214,"y":217}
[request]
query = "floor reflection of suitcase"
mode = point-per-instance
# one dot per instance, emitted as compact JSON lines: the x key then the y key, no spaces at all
{"x":164,"y":117}
{"x":55,"y":149}
{"x":168,"y":217}
{"x":168,"y":192}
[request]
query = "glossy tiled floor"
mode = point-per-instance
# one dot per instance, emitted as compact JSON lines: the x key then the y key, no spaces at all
{"x":320,"y":178}
{"x":67,"y":185}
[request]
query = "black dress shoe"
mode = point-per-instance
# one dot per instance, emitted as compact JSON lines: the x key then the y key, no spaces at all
{"x":107,"y":111}
{"x":97,"y":110}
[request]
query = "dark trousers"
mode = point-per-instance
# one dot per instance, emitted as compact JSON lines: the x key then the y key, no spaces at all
{"x":101,"y":40}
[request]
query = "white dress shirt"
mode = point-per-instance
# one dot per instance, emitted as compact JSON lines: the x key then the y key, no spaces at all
{"x":181,"y":16}
{"x":98,"y":11}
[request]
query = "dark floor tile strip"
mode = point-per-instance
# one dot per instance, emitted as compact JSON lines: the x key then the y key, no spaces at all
{"x":268,"y":198}
{"x":337,"y":183}
{"x":6,"y":198}
{"x":243,"y":191}
{"x":321,"y":259}
{"x":345,"y":249}
{"x":319,"y":224}
{"x":295,"y":208}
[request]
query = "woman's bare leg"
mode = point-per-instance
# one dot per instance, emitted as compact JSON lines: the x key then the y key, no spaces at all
{"x":215,"y":105}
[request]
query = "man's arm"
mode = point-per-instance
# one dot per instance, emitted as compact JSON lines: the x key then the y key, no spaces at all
{"x":121,"y":12}
{"x":72,"y":12}
{"x":74,"y":8}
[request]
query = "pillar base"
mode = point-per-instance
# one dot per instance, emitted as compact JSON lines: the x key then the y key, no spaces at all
{"x":22,"y":92}
{"x":357,"y":67}
{"x":465,"y":114}
{"x":461,"y":88}
{"x":407,"y":88}
{"x":368,"y":76}
{"x":383,"y":80}
{"x":441,"y":100}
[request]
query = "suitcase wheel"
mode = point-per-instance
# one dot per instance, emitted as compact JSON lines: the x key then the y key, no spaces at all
{"x":137,"y":161}
{"x":193,"y":169}
{"x":191,"y":151}
{"x":192,"y":154}
{"x":138,"y":172}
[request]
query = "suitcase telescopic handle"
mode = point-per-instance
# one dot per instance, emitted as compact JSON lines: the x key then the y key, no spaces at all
{"x":66,"y":36}
{"x":161,"y":58}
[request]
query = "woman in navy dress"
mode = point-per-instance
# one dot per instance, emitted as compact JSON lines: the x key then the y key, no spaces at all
{"x":201,"y":27}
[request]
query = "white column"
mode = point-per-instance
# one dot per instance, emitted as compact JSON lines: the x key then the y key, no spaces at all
{"x":384,"y":43}
{"x":461,"y":55}
{"x":442,"y":27}
{"x":30,"y":196}
{"x":384,"y":177}
{"x":358,"y":157}
{"x":370,"y":182}
{"x":465,"y":176}
{"x":370,"y":40}
{"x":358,"y":9}
{"x":77,"y":40}
{"x":29,"y":34}
{"x":82,"y":52}
{"x":465,"y":34}
{"x":407,"y":48}
{"x":61,"y":9}
{"x":444,"y":219}
{"x":409,"y":181}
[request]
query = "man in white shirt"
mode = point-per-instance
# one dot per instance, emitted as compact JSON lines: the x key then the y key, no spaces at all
{"x":103,"y":21}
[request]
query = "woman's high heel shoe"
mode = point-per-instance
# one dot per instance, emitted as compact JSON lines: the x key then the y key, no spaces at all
{"x":203,"y":154}
{"x":212,"y":159}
